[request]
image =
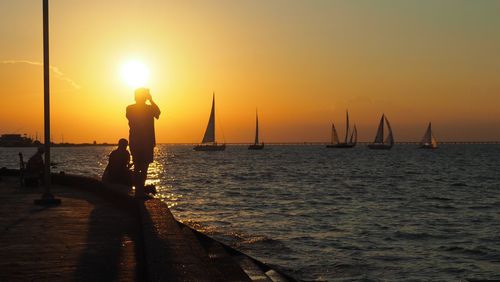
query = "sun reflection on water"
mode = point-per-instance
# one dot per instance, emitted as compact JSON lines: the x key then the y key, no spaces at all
{"x":157,"y":172}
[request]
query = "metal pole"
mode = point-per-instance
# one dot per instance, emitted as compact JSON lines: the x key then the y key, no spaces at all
{"x":46,"y":94}
{"x":47,"y":197}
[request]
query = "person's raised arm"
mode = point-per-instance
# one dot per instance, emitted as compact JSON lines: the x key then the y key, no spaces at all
{"x":156,"y":110}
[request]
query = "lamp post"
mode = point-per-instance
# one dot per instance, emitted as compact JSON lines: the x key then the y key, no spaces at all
{"x":47,"y":197}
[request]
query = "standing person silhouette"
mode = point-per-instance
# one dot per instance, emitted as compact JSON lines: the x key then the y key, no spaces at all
{"x":142,"y":136}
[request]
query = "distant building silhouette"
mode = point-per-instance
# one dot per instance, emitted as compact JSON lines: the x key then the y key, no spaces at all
{"x":15,"y":140}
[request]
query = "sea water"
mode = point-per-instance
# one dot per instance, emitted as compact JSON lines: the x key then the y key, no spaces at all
{"x":332,"y":214}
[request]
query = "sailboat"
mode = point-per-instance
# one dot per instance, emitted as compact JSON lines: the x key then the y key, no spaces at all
{"x":429,"y":141}
{"x":379,"y":142}
{"x":335,"y":138}
{"x":208,"y":143}
{"x":348,"y":142}
{"x":256,"y":145}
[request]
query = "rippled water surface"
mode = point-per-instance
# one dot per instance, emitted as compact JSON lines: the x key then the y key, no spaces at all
{"x":330,"y":214}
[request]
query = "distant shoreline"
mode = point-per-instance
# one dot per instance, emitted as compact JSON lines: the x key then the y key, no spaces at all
{"x":269,"y":143}
{"x":359,"y":143}
{"x":63,"y":145}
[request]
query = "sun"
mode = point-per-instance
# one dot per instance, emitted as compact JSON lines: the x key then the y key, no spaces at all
{"x":135,"y":73}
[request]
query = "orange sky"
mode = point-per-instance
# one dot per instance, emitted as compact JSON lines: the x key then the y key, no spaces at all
{"x":301,"y":63}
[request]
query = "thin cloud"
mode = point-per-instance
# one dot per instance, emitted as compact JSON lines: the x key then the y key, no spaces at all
{"x":55,"y":70}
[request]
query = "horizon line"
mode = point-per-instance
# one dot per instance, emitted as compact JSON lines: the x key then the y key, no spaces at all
{"x":494,"y":142}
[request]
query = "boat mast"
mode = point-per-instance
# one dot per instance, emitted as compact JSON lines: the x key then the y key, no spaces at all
{"x":347,"y":126}
{"x":212,"y":117}
{"x":256,"y":127}
{"x":333,"y":133}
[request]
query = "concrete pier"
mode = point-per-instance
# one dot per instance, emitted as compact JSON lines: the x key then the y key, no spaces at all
{"x":101,"y":233}
{"x":87,"y":238}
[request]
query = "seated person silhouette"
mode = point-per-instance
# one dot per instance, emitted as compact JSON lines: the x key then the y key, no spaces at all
{"x":118,"y":169}
{"x":33,"y":173}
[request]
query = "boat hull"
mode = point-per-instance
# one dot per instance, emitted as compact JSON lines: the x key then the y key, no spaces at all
{"x":380,"y":146}
{"x":211,"y":147}
{"x":428,"y":146}
{"x":341,"y":145}
{"x":256,"y":147}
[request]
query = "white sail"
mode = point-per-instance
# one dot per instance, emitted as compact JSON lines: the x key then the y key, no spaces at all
{"x":434,"y":142}
{"x":335,"y":137}
{"x":379,"y":138}
{"x":390,"y":137}
{"x":209,"y":136}
{"x":429,"y":139}
{"x":256,"y":128}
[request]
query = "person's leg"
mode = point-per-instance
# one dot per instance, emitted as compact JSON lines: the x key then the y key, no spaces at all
{"x":129,"y":178}
{"x":142,"y":158}
{"x":138,"y":182}
{"x":140,"y":175}
{"x":144,"y":174}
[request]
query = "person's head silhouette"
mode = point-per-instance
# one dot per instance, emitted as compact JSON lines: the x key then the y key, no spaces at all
{"x":142,"y":95}
{"x":122,"y":144}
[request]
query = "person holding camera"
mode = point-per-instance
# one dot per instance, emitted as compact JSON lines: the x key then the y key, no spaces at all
{"x":142,"y":141}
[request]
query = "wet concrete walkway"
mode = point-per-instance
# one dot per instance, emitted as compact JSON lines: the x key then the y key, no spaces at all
{"x":86,"y":238}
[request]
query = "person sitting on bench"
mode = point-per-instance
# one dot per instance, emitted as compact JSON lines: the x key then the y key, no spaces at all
{"x":33,"y":173}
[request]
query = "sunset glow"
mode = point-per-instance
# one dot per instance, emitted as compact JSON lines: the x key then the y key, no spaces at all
{"x":302,"y":63}
{"x":135,"y":74}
